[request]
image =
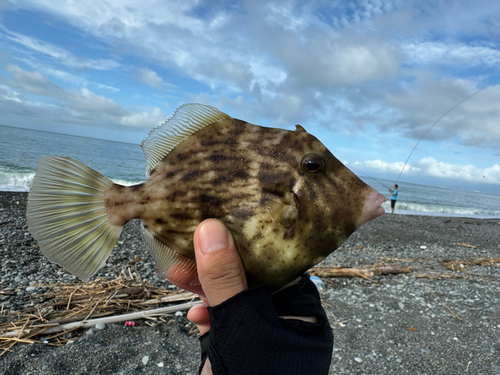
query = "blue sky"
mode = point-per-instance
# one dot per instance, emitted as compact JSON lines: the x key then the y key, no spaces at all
{"x":368,"y":78}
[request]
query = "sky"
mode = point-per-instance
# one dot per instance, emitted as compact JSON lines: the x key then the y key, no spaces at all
{"x":368,"y":78}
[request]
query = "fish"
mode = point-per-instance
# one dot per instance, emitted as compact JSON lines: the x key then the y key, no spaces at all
{"x":287,"y":201}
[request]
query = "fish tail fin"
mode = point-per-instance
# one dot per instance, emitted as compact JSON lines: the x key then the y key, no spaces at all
{"x":67,"y":215}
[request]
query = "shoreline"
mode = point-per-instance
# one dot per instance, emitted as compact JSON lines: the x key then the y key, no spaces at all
{"x":370,"y":317}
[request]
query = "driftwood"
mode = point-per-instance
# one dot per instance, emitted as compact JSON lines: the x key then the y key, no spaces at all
{"x":360,"y":272}
{"x":461,"y":264}
{"x":466,"y":245}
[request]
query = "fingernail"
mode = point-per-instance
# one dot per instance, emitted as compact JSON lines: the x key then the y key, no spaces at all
{"x":213,"y":236}
{"x":198,"y":305}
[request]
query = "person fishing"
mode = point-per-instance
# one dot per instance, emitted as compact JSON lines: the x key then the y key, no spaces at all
{"x":394,"y":197}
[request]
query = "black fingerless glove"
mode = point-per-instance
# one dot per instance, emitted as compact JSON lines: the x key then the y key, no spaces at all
{"x":247,"y":337}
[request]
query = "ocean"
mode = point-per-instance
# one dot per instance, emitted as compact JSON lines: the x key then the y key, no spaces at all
{"x":124,"y":163}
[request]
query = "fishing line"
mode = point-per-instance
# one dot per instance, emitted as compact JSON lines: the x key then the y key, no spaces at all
{"x":372,"y":178}
{"x":439,"y":119}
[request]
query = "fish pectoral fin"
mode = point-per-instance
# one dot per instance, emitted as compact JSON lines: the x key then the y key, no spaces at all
{"x":187,"y":120}
{"x":285,"y":213}
{"x":67,"y":215}
{"x":169,"y":263}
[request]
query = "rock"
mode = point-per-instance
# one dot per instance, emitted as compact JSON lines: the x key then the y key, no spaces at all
{"x":145,"y":360}
{"x":100,"y":326}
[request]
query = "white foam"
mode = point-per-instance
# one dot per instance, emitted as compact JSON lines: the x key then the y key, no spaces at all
{"x":437,"y":210}
{"x":21,"y":181}
{"x":126,"y":182}
{"x":16,"y":181}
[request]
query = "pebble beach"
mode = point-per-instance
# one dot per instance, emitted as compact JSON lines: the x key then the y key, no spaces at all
{"x":443,"y":317}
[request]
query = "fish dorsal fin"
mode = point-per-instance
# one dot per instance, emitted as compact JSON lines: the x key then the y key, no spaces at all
{"x":187,"y":119}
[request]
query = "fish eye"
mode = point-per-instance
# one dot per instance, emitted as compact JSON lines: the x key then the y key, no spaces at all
{"x":312,"y":163}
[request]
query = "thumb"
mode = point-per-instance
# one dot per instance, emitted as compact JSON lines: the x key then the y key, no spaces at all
{"x":219,"y":265}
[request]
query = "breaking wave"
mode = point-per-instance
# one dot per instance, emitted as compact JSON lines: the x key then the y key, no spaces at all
{"x":21,"y":181}
{"x":15,"y":181}
{"x":440,"y":210}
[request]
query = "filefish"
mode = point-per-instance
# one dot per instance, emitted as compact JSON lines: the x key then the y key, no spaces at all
{"x":286,"y":199}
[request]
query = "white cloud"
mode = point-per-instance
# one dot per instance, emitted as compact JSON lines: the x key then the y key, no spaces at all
{"x":60,"y":55}
{"x":149,"y":77}
{"x":68,"y":106}
{"x":149,"y":120}
{"x":469,"y":172}
{"x":383,"y":166}
{"x":85,"y":100}
{"x":7,"y":93}
{"x":33,"y":82}
{"x":452,"y":54}
{"x":430,"y":167}
{"x":473,"y":122}
{"x":64,"y":76}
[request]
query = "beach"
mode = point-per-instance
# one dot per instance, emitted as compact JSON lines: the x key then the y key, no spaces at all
{"x":442,"y":317}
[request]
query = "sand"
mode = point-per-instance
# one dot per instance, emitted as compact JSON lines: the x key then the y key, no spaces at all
{"x":434,"y":320}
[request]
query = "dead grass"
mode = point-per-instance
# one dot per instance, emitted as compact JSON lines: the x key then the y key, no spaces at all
{"x":77,"y":302}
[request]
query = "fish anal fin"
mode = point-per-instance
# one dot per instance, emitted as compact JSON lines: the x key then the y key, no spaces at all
{"x":187,"y":120}
{"x":171,"y":265}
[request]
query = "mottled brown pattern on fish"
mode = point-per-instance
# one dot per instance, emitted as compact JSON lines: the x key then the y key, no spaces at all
{"x":283,"y":219}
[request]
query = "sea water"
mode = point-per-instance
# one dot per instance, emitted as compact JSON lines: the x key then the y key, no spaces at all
{"x":124,"y":163}
{"x":415,"y":199}
{"x":20,"y":150}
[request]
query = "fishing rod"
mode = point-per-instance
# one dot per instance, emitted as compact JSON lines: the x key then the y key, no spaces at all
{"x":427,"y":131}
{"x":372,"y":178}
{"x":422,"y":137}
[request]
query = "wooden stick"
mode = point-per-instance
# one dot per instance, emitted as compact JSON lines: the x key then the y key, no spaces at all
{"x":122,"y":318}
{"x":174,"y":298}
{"x":363,"y":272}
{"x":444,"y":304}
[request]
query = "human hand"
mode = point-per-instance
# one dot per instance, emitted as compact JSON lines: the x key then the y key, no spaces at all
{"x":262,"y":321}
{"x":220,"y":270}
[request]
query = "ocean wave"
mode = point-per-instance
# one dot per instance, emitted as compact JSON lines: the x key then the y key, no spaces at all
{"x":16,"y":181}
{"x":440,"y":210}
{"x":125,"y":182}
{"x":21,"y":181}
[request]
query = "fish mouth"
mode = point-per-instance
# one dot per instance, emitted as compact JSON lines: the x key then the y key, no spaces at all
{"x":372,"y":207}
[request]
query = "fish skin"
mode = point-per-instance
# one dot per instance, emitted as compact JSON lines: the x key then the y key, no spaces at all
{"x":283,"y":219}
{"x":286,"y":199}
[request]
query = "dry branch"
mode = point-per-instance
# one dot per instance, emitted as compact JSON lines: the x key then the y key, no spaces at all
{"x":461,"y":264}
{"x":357,"y":272}
{"x":466,"y":245}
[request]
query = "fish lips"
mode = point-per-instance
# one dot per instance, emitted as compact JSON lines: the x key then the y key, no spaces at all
{"x":372,"y":207}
